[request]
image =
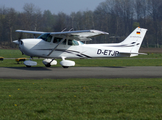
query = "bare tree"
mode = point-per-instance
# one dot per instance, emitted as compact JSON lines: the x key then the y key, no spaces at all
{"x":11,"y":19}
{"x":31,"y":16}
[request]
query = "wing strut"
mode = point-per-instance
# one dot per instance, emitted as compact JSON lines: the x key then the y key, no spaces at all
{"x":56,"y":46}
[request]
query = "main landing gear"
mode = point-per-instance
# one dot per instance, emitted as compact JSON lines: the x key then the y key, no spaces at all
{"x":49,"y":62}
{"x":64,"y":63}
{"x":67,"y":63}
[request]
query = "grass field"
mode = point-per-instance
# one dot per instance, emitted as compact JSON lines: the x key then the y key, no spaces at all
{"x":114,"y":62}
{"x":7,"y":53}
{"x":81,"y":99}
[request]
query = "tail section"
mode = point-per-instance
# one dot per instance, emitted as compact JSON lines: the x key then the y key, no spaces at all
{"x":134,"y":41}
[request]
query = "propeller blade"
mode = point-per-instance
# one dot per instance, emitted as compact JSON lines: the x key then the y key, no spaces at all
{"x":20,"y":37}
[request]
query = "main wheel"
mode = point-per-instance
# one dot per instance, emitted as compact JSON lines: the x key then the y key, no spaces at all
{"x":65,"y":66}
{"x":28,"y":66}
{"x":48,"y":65}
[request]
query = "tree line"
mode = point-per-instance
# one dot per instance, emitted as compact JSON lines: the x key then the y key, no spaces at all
{"x":117,"y":17}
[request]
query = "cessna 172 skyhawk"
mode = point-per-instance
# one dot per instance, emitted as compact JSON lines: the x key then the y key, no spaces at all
{"x":67,"y":44}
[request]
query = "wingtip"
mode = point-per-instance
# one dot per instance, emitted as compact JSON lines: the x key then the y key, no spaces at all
{"x":101,"y":32}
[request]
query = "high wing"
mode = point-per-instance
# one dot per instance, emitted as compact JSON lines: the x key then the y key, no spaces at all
{"x":80,"y":35}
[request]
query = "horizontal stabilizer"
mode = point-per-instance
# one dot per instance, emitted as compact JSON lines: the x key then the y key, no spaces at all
{"x":131,"y":54}
{"x":139,"y":53}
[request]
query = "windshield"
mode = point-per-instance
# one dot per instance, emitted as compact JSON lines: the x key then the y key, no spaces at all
{"x":46,"y":37}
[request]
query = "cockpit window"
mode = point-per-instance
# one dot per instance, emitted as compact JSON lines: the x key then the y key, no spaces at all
{"x":46,"y":37}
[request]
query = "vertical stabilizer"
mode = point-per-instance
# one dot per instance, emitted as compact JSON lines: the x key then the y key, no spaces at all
{"x":134,"y":40}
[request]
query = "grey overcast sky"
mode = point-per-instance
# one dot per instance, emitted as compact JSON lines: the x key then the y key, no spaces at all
{"x":55,"y":6}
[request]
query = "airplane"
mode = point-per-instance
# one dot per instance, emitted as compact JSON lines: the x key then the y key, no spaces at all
{"x":69,"y":45}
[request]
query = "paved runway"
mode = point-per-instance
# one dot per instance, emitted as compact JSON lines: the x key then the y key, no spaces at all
{"x":81,"y":72}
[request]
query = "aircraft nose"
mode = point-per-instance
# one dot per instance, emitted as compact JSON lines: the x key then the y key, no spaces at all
{"x":16,"y":42}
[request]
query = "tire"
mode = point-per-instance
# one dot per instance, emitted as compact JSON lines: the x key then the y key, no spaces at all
{"x":48,"y":65}
{"x":65,"y":66}
{"x":28,"y":66}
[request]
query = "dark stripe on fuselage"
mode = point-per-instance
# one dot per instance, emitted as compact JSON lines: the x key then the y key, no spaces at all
{"x":70,"y":51}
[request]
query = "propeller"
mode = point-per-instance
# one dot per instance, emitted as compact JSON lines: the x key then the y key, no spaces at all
{"x":19,"y":39}
{"x":19,"y":42}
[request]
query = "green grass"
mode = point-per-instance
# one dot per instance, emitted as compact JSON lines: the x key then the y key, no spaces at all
{"x":7,"y":53}
{"x":113,"y":62}
{"x":151,"y":59}
{"x":81,"y":99}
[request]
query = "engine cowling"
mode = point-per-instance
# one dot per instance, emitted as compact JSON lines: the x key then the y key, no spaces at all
{"x":67,"y":63}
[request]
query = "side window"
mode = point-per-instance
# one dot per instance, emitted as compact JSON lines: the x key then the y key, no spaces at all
{"x":75,"y":42}
{"x":72,"y":42}
{"x":57,"y":40}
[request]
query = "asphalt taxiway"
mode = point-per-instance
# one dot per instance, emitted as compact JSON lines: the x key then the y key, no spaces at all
{"x":80,"y":72}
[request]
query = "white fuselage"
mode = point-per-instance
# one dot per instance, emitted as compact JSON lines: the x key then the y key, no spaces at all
{"x":68,"y":45}
{"x":48,"y":46}
{"x":41,"y":48}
